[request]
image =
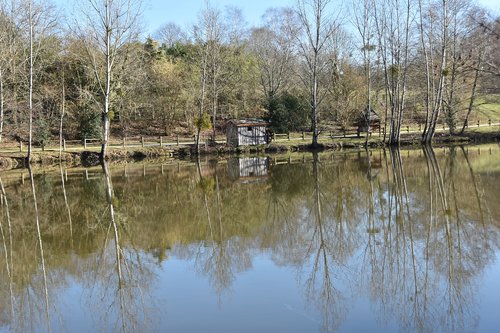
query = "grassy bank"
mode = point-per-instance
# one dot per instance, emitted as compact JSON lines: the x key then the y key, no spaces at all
{"x":10,"y":158}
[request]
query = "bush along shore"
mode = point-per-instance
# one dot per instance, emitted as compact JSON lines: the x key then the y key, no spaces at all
{"x":9,"y":160}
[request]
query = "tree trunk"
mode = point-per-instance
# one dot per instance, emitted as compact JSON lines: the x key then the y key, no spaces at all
{"x":369,"y":110}
{"x":198,"y":133}
{"x":427,"y":73}
{"x":438,"y":103}
{"x":314,"y":110}
{"x":107,"y":91}
{"x":63,"y":105}
{"x":30,"y":94}
{"x":2,"y":104}
{"x":473,"y":96}
{"x":105,"y":135}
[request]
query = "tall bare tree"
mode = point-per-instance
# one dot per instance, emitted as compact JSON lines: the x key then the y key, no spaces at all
{"x":481,"y":44}
{"x":363,"y":19}
{"x":39,"y":22}
{"x":393,"y":20}
{"x":208,"y":34}
{"x":170,"y":33}
{"x":273,"y":46}
{"x":318,"y":27}
{"x":434,"y":39}
{"x":108,"y":28}
{"x":217,"y":34}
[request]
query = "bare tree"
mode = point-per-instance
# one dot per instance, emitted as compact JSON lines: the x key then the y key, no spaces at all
{"x":393,"y":20}
{"x":481,"y":46}
{"x":363,"y":19}
{"x":318,"y":27}
{"x":467,"y":48}
{"x":40,"y":20}
{"x":108,"y":28}
{"x":273,"y":46}
{"x":170,"y":33}
{"x":207,"y":33}
{"x":217,"y":34}
{"x":434,"y":40}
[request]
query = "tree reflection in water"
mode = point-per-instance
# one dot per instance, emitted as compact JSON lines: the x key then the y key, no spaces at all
{"x":327,"y":263}
{"x":7,"y":247}
{"x":123,"y":298}
{"x":411,"y":231}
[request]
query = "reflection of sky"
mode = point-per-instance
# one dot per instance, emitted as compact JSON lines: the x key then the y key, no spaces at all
{"x":263,"y":299}
{"x":266,"y":298}
{"x":489,"y":298}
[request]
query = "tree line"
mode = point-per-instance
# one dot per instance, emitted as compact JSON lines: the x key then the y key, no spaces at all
{"x":312,"y":66}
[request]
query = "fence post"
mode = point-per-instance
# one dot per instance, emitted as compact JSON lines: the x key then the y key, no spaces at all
{"x":20,"y":146}
{"x":85,"y":142}
{"x":123,"y":142}
{"x":194,"y":139}
{"x":177,"y":139}
{"x":161,"y":141}
{"x":142,"y":141}
{"x":478,"y":123}
{"x":303,"y":137}
{"x":274,"y":136}
{"x":489,"y":122}
{"x":64,"y":144}
{"x":408,"y":128}
{"x":288,"y":136}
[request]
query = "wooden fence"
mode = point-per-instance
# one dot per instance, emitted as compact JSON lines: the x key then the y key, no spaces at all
{"x":125,"y":142}
{"x":352,"y":132}
{"x":164,"y":141}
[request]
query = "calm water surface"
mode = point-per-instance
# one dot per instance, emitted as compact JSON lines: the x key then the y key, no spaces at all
{"x":386,"y":241}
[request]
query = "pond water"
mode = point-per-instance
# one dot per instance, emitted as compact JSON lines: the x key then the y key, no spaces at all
{"x":386,"y":241}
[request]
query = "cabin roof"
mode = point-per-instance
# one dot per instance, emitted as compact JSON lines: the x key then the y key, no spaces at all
{"x":254,"y":122}
{"x":373,"y":115}
{"x":363,"y":116}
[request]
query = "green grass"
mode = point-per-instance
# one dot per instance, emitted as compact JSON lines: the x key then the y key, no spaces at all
{"x":487,"y":107}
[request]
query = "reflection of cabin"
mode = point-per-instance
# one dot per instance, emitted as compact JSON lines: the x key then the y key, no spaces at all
{"x":248,"y":169}
{"x":247,"y":132}
{"x":362,"y":121}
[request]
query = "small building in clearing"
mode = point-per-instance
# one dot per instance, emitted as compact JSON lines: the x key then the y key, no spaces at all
{"x":247,"y":132}
{"x":362,"y":120}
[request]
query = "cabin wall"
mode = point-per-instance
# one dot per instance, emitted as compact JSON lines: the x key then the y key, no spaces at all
{"x":252,"y":135}
{"x":232,"y":135}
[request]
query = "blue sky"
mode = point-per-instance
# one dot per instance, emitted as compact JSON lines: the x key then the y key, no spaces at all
{"x":185,"y":12}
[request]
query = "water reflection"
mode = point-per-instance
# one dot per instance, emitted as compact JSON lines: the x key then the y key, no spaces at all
{"x":412,"y":232}
{"x":120,"y":273}
{"x":248,"y":169}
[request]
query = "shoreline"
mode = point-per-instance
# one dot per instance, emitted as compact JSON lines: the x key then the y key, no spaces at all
{"x":87,"y":158}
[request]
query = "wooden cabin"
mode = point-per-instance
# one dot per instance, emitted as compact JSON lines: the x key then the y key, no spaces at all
{"x":361,"y":121}
{"x":247,"y":132}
